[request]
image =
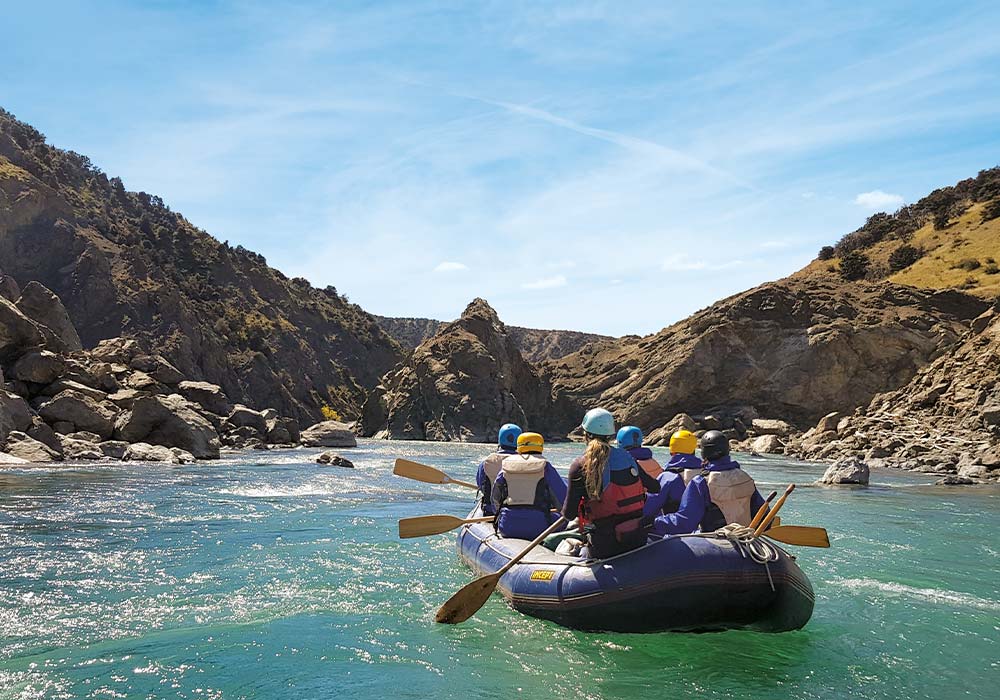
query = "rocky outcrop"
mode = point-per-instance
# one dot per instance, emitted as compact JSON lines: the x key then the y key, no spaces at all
{"x":123,"y":263}
{"x":535,"y":345}
{"x":39,"y":303}
{"x":57,"y":404}
{"x":793,"y":349}
{"x":945,"y":420}
{"x":329,"y":433}
{"x":463,"y":384}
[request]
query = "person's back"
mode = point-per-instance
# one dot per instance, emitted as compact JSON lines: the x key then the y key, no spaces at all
{"x":716,"y":495}
{"x":526,"y":490}
{"x":607,"y":490}
{"x":490,"y":467}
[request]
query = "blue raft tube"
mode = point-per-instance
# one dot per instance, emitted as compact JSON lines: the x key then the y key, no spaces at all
{"x":677,"y":584}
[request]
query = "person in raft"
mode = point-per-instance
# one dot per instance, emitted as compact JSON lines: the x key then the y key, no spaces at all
{"x":490,"y":467}
{"x":607,"y":490}
{"x":526,"y":490}
{"x":718,"y":494}
{"x":671,"y":484}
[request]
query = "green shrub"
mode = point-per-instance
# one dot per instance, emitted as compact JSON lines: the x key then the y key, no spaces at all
{"x":854,"y":265}
{"x":991,"y":269}
{"x":826,"y":252}
{"x":967,"y":264}
{"x":903,"y":257}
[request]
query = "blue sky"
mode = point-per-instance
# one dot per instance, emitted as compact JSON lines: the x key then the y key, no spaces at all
{"x":601,"y":166}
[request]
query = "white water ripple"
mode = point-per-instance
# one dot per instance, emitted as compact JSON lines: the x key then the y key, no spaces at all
{"x":933,"y":595}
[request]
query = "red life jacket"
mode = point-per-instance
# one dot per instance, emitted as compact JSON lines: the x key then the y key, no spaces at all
{"x":620,"y":505}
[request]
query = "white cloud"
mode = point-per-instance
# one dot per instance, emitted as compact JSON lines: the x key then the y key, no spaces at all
{"x":449,"y":266}
{"x":546,"y":283}
{"x":784,"y":243}
{"x":682,"y":262}
{"x":561,"y":264}
{"x":877,"y":200}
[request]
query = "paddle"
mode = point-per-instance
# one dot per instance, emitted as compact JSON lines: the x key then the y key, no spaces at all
{"x":464,"y":604}
{"x":425,"y":473}
{"x":799,"y":534}
{"x":760,"y":513}
{"x":425,"y":525}
{"x":774,"y":511}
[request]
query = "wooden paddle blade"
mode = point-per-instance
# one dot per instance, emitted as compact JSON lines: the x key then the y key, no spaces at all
{"x":467,"y":601}
{"x":425,"y":473}
{"x":424,"y":525}
{"x":799,"y":534}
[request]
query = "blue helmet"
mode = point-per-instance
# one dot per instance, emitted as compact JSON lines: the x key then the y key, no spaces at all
{"x":599,"y":421}
{"x":508,"y":435}
{"x":629,"y":437}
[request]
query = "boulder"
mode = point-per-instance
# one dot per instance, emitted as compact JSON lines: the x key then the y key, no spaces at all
{"x":209,"y":396}
{"x":15,"y":414}
{"x":144,"y":452}
{"x":115,"y":449}
{"x":43,"y":432}
{"x":991,"y":414}
{"x":334,"y":460}
{"x":770,"y":426}
{"x":124,"y":398}
{"x":27,"y":448}
{"x":157,"y":367}
{"x":847,"y":470}
{"x":41,"y":305}
{"x":282,"y":431}
{"x":62,"y":427}
{"x":117,"y":350}
{"x":74,"y":449}
{"x":329,"y":433}
{"x":10,"y":460}
{"x":661,"y":436}
{"x":973,"y":471}
{"x":829,"y":422}
{"x":767,"y":445}
{"x":140,"y":381}
{"x":18,"y":334}
{"x":38,"y":367}
{"x":169,"y":421}
{"x":80,"y":410}
{"x":61,"y":385}
{"x":8,"y":288}
{"x":270,"y":414}
{"x":243,"y":417}
{"x":954,"y":480}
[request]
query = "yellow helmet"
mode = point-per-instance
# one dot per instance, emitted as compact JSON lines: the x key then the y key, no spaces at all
{"x":683,"y":442}
{"x":529,"y":442}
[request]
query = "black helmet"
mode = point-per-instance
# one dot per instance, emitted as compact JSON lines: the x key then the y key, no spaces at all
{"x":714,"y":445}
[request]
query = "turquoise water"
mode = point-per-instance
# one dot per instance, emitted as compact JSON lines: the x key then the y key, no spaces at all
{"x":266,"y":576}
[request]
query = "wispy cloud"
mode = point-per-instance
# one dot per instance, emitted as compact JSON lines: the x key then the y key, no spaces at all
{"x":546,"y":283}
{"x":450,"y":266}
{"x":682,"y":262}
{"x":877,"y":200}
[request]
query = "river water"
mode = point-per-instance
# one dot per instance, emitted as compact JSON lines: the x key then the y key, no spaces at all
{"x":266,"y":576}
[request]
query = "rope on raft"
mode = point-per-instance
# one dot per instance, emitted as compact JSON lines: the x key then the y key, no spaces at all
{"x":746,"y":541}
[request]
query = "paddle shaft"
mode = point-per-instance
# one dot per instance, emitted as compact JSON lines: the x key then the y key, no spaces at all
{"x":774,"y":511}
{"x":760,"y":513}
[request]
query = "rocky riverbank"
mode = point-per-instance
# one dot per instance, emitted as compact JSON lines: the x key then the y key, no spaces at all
{"x":119,"y":400}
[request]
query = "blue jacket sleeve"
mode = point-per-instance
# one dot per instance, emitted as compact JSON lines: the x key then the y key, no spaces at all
{"x":556,"y":485}
{"x":688,"y":516}
{"x":499,"y":492}
{"x":485,"y":487}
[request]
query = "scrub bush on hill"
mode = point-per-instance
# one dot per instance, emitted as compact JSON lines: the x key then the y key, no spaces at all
{"x":940,"y":207}
{"x":826,"y":252}
{"x":967,"y":264}
{"x":991,"y":211}
{"x":854,"y":266}
{"x":903,"y":257}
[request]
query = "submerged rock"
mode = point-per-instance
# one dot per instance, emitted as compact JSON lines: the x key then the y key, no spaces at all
{"x":334,"y":460}
{"x":767,"y":445}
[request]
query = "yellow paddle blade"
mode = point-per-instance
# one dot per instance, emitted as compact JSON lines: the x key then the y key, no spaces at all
{"x":799,"y":534}
{"x":425,"y":473}
{"x":464,"y":604}
{"x":424,"y":525}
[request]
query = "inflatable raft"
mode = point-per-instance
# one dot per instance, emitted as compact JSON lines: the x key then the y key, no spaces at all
{"x":681,"y":584}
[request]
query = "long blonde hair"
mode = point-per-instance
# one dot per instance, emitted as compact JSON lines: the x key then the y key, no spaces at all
{"x":594,"y":461}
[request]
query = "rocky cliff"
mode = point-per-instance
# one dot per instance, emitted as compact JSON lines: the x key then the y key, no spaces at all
{"x":123,"y":263}
{"x":536,"y":345}
{"x":794,"y":349}
{"x":945,"y":420}
{"x":463,"y":384}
